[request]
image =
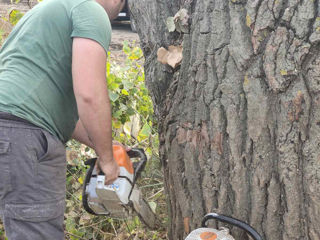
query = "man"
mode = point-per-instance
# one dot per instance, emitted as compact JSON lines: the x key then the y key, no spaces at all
{"x":52,"y":88}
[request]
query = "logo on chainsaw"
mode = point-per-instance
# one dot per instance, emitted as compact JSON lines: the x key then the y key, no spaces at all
{"x":113,"y":186}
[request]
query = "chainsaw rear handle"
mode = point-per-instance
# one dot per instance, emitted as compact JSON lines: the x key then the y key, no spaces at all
{"x":91,"y":162}
{"x":138,"y":166}
{"x":232,"y":221}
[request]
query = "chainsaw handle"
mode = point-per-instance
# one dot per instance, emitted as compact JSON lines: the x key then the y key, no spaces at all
{"x":232,"y":221}
{"x":132,"y":153}
{"x":92,"y":162}
{"x":138,"y":166}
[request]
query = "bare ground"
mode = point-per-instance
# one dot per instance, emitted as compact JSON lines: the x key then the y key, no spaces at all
{"x":121,"y":31}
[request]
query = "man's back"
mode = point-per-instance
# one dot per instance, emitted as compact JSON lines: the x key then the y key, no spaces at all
{"x":35,"y":62}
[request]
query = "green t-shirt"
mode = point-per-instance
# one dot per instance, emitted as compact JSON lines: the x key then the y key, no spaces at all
{"x":35,"y":62}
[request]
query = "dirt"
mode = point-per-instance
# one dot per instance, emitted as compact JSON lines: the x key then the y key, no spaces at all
{"x":121,"y":31}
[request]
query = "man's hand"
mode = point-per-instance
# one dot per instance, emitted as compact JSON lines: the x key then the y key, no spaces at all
{"x":110,"y":169}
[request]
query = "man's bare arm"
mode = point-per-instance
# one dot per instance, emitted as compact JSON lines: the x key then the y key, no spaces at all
{"x":90,"y":88}
{"x":80,"y":134}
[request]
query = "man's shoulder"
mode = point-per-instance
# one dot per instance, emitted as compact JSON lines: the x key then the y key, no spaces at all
{"x":87,"y":5}
{"x":70,"y":4}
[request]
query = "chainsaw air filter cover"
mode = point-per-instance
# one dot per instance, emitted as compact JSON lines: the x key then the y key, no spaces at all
{"x":209,"y":234}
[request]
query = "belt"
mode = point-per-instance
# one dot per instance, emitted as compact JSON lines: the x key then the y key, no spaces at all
{"x":11,"y":117}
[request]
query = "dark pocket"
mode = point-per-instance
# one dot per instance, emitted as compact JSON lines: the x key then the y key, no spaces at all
{"x":39,"y":144}
{"x":51,"y":146}
{"x":5,"y":179}
{"x":51,"y":169}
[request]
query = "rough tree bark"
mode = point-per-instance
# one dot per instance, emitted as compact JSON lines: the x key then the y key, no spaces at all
{"x":239,"y":121}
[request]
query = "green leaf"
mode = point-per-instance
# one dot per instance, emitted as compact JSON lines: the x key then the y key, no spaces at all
{"x":124,"y":92}
{"x":170,"y":24}
{"x":111,"y":78}
{"x":145,"y":131}
{"x":128,"y":85}
{"x":149,"y":151}
{"x":14,"y":16}
{"x":116,"y":124}
{"x":136,"y":53}
{"x":130,"y":111}
{"x":80,"y":180}
{"x":113,"y":86}
{"x":127,"y":128}
{"x":117,"y":114}
{"x":113,"y":96}
{"x":126,"y":49}
{"x":123,"y":107}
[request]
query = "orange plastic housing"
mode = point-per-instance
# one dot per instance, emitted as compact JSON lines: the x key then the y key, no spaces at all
{"x":122,"y":158}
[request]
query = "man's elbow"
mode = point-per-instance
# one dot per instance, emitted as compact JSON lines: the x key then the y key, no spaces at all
{"x":85,"y":98}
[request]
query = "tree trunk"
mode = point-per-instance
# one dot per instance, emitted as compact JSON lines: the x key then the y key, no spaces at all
{"x":239,"y":120}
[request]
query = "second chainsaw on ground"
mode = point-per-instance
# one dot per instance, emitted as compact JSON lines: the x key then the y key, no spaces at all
{"x":205,"y":233}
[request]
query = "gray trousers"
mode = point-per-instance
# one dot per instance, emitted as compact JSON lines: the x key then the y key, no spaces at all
{"x":32,"y":182}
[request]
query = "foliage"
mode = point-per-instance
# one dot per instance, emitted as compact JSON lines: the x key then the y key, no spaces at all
{"x":2,"y":33}
{"x":7,"y":24}
{"x":14,"y":16}
{"x":132,"y":107}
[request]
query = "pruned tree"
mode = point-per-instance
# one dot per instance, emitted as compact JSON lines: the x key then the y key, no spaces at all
{"x":239,"y":119}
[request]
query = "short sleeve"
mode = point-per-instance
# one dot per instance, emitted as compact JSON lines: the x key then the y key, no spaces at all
{"x":90,"y":20}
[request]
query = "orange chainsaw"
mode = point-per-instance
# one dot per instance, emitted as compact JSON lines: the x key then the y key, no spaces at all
{"x":122,"y":198}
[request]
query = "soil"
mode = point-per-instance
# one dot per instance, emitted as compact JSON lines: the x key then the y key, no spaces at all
{"x":121,"y":31}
